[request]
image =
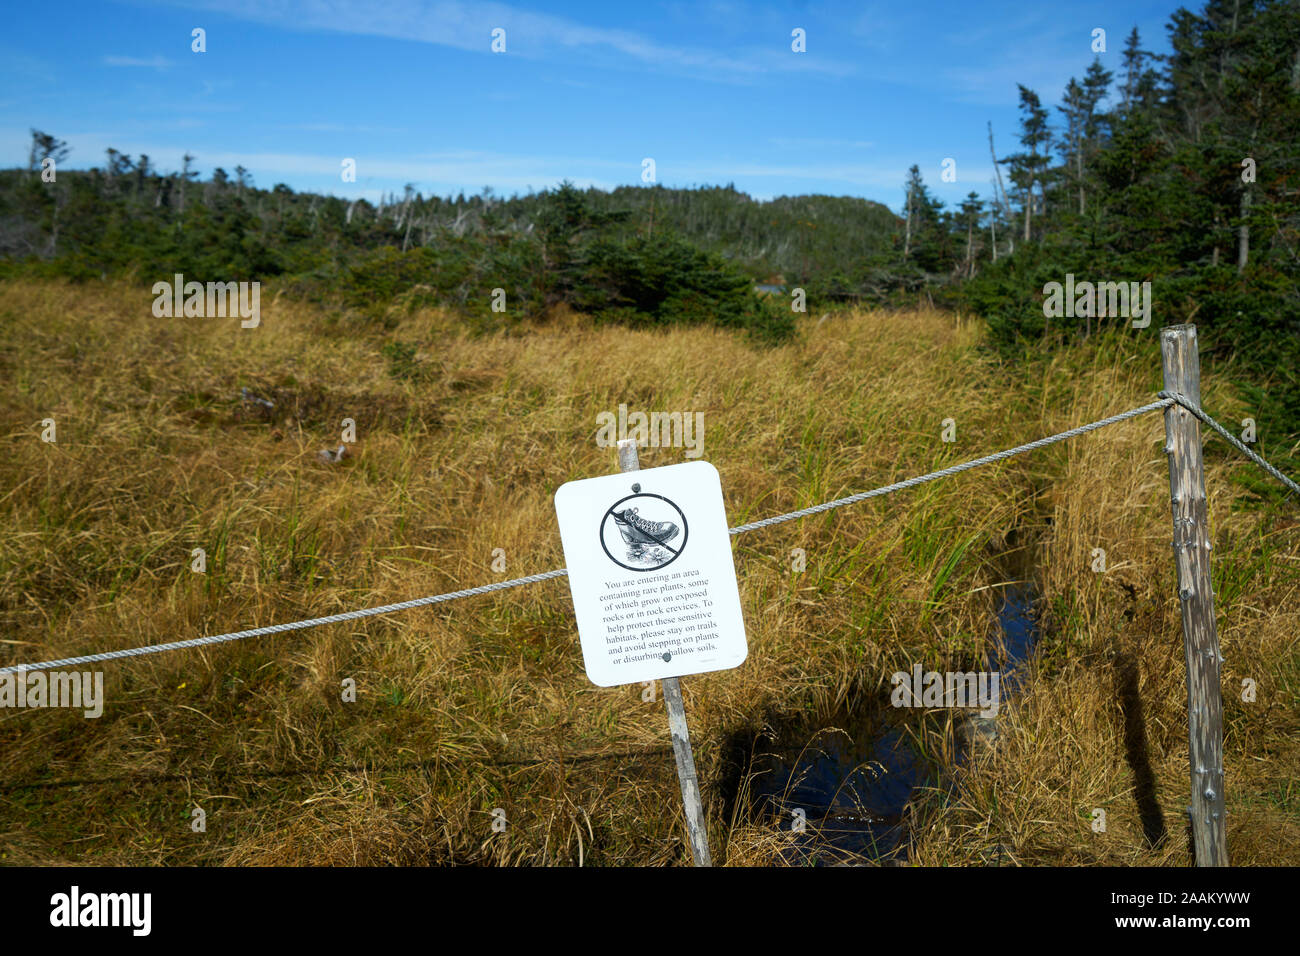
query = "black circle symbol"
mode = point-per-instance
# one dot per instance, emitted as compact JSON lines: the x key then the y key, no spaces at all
{"x":648,"y":535}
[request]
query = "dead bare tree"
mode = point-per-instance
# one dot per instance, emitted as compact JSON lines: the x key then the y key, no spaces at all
{"x":907,"y":234}
{"x":1002,"y":198}
{"x":186,"y":175}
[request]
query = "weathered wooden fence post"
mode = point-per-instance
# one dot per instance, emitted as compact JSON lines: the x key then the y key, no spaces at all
{"x":1182,"y":371}
{"x":691,"y":802}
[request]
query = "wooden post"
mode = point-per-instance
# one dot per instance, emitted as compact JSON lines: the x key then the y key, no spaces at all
{"x":1182,"y":371}
{"x":691,"y":802}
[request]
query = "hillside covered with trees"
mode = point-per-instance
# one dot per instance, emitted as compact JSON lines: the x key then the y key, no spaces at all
{"x":1179,"y":170}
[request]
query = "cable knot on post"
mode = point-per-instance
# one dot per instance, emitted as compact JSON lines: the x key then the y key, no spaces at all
{"x":1178,"y":398}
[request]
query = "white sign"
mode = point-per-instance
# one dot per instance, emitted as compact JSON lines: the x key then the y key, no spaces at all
{"x":650,"y":568}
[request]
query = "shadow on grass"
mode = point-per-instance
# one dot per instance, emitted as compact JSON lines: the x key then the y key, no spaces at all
{"x":1135,"y":750}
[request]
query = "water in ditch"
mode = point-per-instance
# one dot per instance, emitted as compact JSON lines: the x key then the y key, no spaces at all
{"x":841,"y":790}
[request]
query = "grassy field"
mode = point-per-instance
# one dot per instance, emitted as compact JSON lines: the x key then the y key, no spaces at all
{"x":483,"y":703}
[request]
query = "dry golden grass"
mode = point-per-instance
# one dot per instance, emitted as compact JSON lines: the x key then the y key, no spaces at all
{"x":483,"y":703}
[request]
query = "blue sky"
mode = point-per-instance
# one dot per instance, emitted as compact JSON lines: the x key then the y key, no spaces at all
{"x":413,"y":92}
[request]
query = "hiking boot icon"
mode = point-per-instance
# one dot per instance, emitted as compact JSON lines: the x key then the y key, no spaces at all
{"x":646,"y":542}
{"x":638,"y":533}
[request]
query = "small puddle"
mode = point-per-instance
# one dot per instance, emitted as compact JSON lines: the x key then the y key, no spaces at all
{"x":1018,"y":622}
{"x":850,"y":783}
{"x":848,"y":778}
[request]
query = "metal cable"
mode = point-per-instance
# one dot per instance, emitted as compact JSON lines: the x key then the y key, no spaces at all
{"x":955,"y":469}
{"x":1166,"y":399}
{"x":278,"y":628}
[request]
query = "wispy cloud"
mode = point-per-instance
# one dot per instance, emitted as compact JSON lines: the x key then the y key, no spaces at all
{"x":16,"y":63}
{"x":432,"y":173}
{"x":810,"y":142}
{"x":349,"y":128}
{"x":437,"y":173}
{"x":997,"y":85}
{"x":469,"y":26}
{"x":157,"y":62}
{"x":1043,"y":52}
{"x":999,"y":29}
{"x":874,"y":25}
